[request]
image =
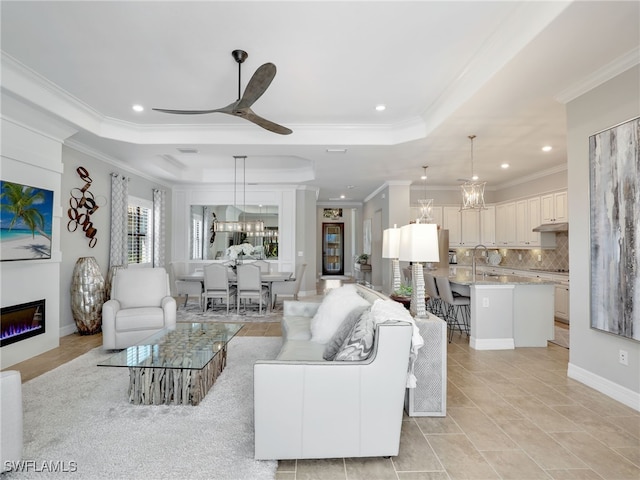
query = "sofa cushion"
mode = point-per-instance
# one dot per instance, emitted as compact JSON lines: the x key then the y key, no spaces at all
{"x":296,"y":328}
{"x":143,"y":318}
{"x":343,"y":331}
{"x":359,"y":344}
{"x":301,"y":350}
{"x":333,"y":310}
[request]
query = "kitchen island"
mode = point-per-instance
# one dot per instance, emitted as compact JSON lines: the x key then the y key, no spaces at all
{"x":507,"y":311}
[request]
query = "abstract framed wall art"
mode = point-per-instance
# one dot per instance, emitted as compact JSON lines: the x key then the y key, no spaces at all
{"x":26,"y":216}
{"x":614,"y":163}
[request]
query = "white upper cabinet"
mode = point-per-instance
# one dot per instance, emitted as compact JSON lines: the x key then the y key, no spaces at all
{"x":506,"y":225}
{"x":488,"y":226}
{"x":452,"y":221}
{"x":554,"y":207}
{"x":527,"y":218}
{"x":470,"y":228}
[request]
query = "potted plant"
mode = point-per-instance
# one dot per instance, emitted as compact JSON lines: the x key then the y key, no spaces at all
{"x":362,"y":259}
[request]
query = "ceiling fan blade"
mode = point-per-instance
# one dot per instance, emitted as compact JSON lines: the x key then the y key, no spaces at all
{"x":187,"y":112}
{"x":248,"y":114}
{"x":258,"y":84}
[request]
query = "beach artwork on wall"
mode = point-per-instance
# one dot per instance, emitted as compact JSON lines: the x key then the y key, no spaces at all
{"x":614,"y":162}
{"x":26,"y":215}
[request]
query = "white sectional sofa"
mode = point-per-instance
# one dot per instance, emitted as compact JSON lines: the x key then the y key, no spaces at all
{"x":308,"y":407}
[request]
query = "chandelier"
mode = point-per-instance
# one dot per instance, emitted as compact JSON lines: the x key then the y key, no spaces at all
{"x":472,"y":190}
{"x":252,"y":228}
{"x":426,"y":204}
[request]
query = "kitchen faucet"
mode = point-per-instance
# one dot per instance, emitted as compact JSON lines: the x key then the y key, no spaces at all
{"x":473,"y":259}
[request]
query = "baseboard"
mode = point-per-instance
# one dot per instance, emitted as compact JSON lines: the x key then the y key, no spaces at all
{"x":619,"y":393}
{"x":68,"y":330}
{"x":491,"y":343}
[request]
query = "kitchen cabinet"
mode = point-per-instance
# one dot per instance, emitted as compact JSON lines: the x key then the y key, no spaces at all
{"x":554,"y":207}
{"x":452,"y":221}
{"x":506,"y":224}
{"x":562,"y":302}
{"x":527,"y":218}
{"x":488,"y":226}
{"x":470,"y":228}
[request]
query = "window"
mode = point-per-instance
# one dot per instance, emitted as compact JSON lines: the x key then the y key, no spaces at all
{"x":140,"y":231}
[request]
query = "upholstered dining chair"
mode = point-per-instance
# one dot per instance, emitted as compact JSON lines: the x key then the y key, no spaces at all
{"x":216,"y":285}
{"x":434,"y":302}
{"x":184,"y":287}
{"x":455,"y":307}
{"x":264,"y":266}
{"x":249,"y":286}
{"x":290,"y":287}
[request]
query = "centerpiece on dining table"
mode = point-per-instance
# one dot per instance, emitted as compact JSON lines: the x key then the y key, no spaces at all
{"x":236,"y":253}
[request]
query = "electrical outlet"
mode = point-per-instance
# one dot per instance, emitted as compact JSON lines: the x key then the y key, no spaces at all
{"x":466,"y":254}
{"x":519,"y":256}
{"x":539,"y":258}
{"x":623,"y":357}
{"x":485,"y":301}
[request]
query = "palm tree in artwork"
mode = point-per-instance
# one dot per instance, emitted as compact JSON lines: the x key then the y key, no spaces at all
{"x":20,"y":202}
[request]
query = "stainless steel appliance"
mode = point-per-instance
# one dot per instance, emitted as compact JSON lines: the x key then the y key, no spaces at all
{"x":453,"y":257}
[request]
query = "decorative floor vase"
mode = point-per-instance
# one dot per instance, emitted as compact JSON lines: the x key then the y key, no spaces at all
{"x":87,"y":296}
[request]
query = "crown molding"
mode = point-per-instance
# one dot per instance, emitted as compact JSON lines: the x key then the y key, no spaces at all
{"x":600,"y":76}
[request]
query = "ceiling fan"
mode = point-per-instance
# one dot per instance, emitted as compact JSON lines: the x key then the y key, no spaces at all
{"x":258,"y":84}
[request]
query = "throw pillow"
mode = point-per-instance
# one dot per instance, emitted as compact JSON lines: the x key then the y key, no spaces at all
{"x":342,"y":333}
{"x":359,"y":344}
{"x":333,"y":310}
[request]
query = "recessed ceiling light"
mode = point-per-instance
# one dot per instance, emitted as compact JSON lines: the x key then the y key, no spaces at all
{"x":504,"y":165}
{"x":138,"y":108}
{"x":342,"y":196}
{"x":547,"y":148}
{"x":475,"y":177}
{"x":349,"y":187}
{"x":380,"y":108}
{"x":336,"y":150}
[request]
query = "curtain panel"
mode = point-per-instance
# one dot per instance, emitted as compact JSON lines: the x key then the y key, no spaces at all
{"x":159,"y":240}
{"x":119,"y":204}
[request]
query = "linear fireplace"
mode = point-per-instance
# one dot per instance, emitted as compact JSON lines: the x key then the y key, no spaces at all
{"x":18,"y":322}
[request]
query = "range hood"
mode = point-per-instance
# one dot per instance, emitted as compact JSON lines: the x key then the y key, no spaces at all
{"x":552,"y":227}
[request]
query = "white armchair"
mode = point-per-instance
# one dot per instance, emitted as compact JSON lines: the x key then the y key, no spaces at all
{"x":141,"y":304}
{"x":11,"y":414}
{"x":290,"y":287}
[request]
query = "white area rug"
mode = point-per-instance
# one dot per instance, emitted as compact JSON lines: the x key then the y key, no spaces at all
{"x":80,"y":413}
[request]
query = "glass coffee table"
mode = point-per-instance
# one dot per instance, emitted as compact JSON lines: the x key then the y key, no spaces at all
{"x":176,"y":366}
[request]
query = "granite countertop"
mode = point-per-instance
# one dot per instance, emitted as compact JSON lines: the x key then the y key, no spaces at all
{"x":462,"y":276}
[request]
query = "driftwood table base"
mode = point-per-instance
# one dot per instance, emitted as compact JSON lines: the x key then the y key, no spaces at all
{"x":174,"y":386}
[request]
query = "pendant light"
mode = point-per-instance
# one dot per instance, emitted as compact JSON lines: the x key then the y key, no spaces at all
{"x":426,"y":204}
{"x":251,"y":228}
{"x":472,"y":190}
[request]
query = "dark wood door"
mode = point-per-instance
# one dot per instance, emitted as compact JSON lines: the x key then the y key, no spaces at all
{"x":333,"y":248}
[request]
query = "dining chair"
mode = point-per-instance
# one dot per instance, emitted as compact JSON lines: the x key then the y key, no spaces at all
{"x":434,"y":302}
{"x":216,"y":285}
{"x":456,"y":307}
{"x":289,"y":287}
{"x":249,"y":285}
{"x":264,"y":266}
{"x":184,"y":287}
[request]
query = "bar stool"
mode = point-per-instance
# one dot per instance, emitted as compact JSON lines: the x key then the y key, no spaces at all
{"x":434,"y":303}
{"x":456,"y":308}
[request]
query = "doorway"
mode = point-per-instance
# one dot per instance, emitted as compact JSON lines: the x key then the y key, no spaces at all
{"x":333,"y":248}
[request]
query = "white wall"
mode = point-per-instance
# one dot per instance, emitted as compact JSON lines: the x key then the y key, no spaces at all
{"x":33,"y":157}
{"x":594,"y":354}
{"x":75,"y":244}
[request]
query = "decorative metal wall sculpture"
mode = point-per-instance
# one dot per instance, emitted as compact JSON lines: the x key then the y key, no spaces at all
{"x":614,"y":157}
{"x":82,"y":205}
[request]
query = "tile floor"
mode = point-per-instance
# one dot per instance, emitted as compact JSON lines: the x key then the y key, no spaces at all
{"x":510,"y":415}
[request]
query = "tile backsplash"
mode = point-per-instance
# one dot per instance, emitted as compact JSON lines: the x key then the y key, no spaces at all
{"x":556,"y":258}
